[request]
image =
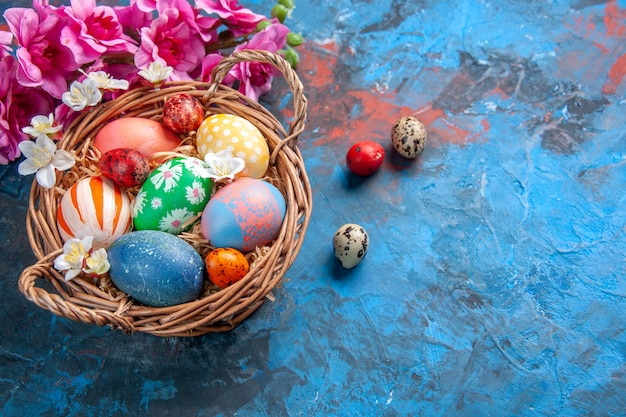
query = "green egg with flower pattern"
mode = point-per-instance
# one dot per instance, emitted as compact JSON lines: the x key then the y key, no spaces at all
{"x":173,"y":196}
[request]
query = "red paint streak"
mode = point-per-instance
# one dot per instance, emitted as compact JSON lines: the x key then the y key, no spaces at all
{"x":614,"y":34}
{"x":614,"y":19}
{"x":499,"y":92}
{"x":441,"y":130}
{"x":583,"y":25}
{"x":601,"y":47}
{"x":349,"y":116}
{"x":617,"y":72}
{"x":486,"y":125}
{"x":317,"y":63}
{"x":547,"y":117}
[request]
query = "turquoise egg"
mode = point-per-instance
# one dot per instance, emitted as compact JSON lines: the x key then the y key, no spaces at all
{"x":245,"y":214}
{"x":173,"y":196}
{"x":156,"y":268}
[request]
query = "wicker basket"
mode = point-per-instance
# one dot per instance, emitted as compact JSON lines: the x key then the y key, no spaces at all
{"x":98,"y":301}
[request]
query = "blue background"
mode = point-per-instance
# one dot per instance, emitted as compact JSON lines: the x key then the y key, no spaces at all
{"x":495,"y":282}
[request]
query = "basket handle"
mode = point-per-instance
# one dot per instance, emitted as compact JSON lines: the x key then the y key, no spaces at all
{"x":251,"y":55}
{"x":62,"y":305}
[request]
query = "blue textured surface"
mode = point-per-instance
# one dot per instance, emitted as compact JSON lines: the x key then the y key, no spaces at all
{"x":495,"y":282}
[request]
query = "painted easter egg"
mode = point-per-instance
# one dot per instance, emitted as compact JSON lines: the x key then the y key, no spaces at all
{"x":365,"y":158}
{"x":220,"y":132}
{"x":93,"y":206}
{"x":182,"y":113}
{"x":156,"y":268}
{"x":243,"y":215}
{"x":225,"y":266}
{"x":173,"y":196}
{"x":125,"y":167}
{"x":145,"y":135}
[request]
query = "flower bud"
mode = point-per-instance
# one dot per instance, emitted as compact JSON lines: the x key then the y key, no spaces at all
{"x":289,"y":4}
{"x":294,"y":39}
{"x":292,"y":57}
{"x":280,"y":12}
{"x":262,"y":25}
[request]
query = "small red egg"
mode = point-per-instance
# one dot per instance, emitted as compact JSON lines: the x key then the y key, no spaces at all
{"x":226,"y":266}
{"x":183,"y":113}
{"x":125,"y":167}
{"x":365,"y":158}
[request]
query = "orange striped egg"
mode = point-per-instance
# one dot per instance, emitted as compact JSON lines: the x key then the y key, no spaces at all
{"x":94,"y":207}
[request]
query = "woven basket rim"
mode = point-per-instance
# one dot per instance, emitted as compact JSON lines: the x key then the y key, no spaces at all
{"x":89,"y":301}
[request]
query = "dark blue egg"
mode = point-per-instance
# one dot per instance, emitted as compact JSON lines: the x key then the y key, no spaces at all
{"x":156,"y":268}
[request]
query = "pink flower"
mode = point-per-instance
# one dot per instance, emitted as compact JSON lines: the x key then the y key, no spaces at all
{"x":43,"y":60}
{"x":239,"y":20}
{"x":64,"y":116}
{"x":205,"y":26}
{"x":208,"y":63}
{"x":147,"y":6}
{"x":18,"y":105}
{"x":255,"y":78}
{"x":171,"y":40}
{"x":5,"y":43}
{"x":93,"y":30}
{"x":132,"y":18}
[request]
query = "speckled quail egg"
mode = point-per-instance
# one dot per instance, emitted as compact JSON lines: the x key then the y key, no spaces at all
{"x":408,"y":137}
{"x":350,"y":243}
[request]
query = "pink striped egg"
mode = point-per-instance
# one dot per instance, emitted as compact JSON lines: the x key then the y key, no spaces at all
{"x":94,"y":207}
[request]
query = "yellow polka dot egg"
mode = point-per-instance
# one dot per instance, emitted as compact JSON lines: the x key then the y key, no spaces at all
{"x":220,"y":132}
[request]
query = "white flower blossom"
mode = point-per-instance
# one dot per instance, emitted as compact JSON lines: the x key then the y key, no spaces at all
{"x":156,"y":72}
{"x":82,"y":95}
{"x":42,"y":126}
{"x":71,"y":260}
{"x":97,"y":262}
{"x":42,"y":159}
{"x":78,"y":256}
{"x":223,"y":165}
{"x":105,"y":82}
